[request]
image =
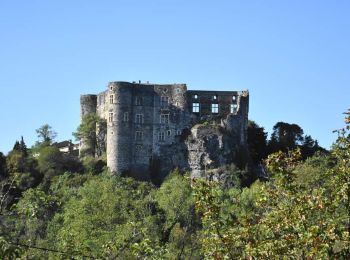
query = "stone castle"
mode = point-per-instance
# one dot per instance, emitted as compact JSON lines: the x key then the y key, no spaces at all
{"x":153,"y":128}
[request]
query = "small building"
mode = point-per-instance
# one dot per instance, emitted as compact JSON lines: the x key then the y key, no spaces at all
{"x":67,"y":147}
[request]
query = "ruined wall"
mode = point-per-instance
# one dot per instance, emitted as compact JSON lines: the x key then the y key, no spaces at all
{"x":220,"y":131}
{"x":209,"y":146}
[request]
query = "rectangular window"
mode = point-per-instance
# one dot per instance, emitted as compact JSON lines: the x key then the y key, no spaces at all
{"x":110,"y":117}
{"x":138,"y":149}
{"x":126,"y":117}
{"x":164,"y":118}
{"x":215,"y":108}
{"x":139,"y":119}
{"x":195,"y":107}
{"x":138,"y":135}
{"x":164,"y":101}
{"x":233,"y":108}
{"x":111,"y":99}
{"x":161,"y":136}
{"x":139,"y":101}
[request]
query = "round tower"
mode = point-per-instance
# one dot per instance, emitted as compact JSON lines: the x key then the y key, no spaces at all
{"x":119,"y":132}
{"x":88,"y":104}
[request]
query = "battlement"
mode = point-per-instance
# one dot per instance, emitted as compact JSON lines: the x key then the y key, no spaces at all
{"x":145,"y":121}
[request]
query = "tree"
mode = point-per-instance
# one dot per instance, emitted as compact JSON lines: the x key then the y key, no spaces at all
{"x":257,"y":142}
{"x":16,"y":161}
{"x":92,"y":132}
{"x":107,"y":218}
{"x":50,"y":160}
{"x":285,"y":137}
{"x":291,"y":218}
{"x":16,"y":146}
{"x":8,"y":250}
{"x":23,"y":147}
{"x":45,"y":135}
{"x":179,"y":234}
{"x":3,"y":171}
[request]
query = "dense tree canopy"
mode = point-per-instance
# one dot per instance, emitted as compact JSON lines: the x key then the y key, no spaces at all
{"x":257,"y":141}
{"x":58,"y":207}
{"x":285,"y":137}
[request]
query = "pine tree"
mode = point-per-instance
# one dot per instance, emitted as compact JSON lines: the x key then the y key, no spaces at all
{"x":23,"y":147}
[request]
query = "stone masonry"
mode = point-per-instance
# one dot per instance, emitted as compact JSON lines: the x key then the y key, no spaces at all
{"x":153,"y":127}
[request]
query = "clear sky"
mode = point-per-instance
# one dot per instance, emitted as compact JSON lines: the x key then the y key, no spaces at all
{"x":293,"y":56}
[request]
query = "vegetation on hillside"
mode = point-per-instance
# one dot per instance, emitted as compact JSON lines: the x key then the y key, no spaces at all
{"x":54,"y":206}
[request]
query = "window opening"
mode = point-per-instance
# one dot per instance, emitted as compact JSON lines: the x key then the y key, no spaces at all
{"x":164,"y":101}
{"x":138,"y":148}
{"x":138,"y":135}
{"x":139,"y":101}
{"x":161,"y":136}
{"x":164,"y":118}
{"x":111,"y":99}
{"x":215,"y":108}
{"x":139,"y":118}
{"x":195,"y":107}
{"x":233,"y":108}
{"x":126,"y":117}
{"x":110,"y":117}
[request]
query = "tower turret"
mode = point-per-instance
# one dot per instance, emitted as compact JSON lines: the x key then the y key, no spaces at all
{"x":88,"y":104}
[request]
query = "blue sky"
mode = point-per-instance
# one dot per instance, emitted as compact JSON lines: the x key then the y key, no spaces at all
{"x":293,"y":56}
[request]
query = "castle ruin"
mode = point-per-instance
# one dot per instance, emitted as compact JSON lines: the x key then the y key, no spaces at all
{"x":157,"y":127}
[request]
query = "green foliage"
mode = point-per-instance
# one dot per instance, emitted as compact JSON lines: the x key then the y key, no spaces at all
{"x":67,"y":185}
{"x":87,"y":128}
{"x":46,"y":135}
{"x":93,"y":165}
{"x":174,"y":197}
{"x":285,"y":137}
{"x":303,"y":212}
{"x":180,"y":234}
{"x":92,"y":130}
{"x":16,"y":161}
{"x":106,"y":216}
{"x":36,"y":204}
{"x":257,"y":141}
{"x":49,"y":158}
{"x":3,"y":168}
{"x":9,"y":251}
